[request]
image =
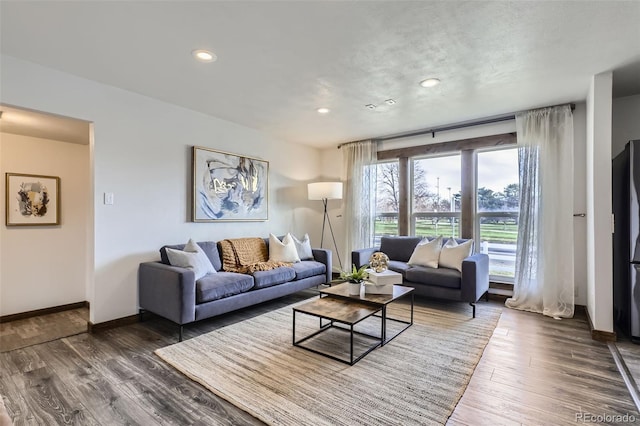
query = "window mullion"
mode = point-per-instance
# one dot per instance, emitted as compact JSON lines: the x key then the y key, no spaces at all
{"x":468,"y":168}
{"x":403,"y":191}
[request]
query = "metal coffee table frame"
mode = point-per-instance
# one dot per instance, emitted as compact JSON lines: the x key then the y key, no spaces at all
{"x":348,"y":327}
{"x":373,"y":306}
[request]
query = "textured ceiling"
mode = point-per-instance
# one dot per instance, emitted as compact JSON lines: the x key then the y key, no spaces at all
{"x":279,"y":61}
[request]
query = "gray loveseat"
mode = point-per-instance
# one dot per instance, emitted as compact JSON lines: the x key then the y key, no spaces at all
{"x":443,"y":283}
{"x":173,"y":293}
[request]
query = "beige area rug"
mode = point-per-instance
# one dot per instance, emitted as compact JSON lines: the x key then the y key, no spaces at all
{"x":416,"y":379}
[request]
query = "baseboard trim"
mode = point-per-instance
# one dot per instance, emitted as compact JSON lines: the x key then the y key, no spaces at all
{"x":599,"y":335}
{"x":500,"y":286}
{"x":603,"y":336}
{"x":108,"y":325}
{"x":494,"y":295}
{"x":502,"y":294}
{"x":44,"y":311}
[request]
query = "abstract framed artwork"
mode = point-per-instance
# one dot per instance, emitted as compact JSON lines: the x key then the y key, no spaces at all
{"x":32,"y":200}
{"x":229,"y":187}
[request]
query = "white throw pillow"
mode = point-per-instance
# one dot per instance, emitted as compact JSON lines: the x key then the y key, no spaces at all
{"x":452,"y":254}
{"x":284,"y":251}
{"x":193,"y":257}
{"x":426,"y":253}
{"x":193,"y":247}
{"x":303,"y":247}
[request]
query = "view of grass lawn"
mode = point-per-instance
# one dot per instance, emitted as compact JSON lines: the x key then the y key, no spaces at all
{"x":386,"y":227}
{"x":501,"y":233}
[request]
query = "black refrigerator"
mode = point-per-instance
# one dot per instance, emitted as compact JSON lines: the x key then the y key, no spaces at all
{"x":626,"y":241}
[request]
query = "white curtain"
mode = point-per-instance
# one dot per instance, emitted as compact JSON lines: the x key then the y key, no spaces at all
{"x":544,"y":255}
{"x":359,"y":164}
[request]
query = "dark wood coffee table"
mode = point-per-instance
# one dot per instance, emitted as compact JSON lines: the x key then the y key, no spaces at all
{"x":340,"y":311}
{"x":377,"y":300}
{"x":339,"y":307}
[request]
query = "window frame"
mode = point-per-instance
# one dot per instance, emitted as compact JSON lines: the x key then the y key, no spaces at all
{"x":468,"y":217}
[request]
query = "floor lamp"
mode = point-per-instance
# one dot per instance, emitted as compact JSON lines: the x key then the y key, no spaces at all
{"x":325,"y":191}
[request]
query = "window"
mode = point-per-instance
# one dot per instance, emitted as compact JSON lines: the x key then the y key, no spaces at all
{"x":435,"y":201}
{"x":497,"y":215}
{"x":387,"y":200}
{"x":435,"y":196}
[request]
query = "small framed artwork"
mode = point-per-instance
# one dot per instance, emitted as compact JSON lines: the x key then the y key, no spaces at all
{"x":229,"y":187}
{"x":32,"y":200}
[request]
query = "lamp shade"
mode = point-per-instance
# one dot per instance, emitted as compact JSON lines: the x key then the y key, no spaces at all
{"x":325,"y":190}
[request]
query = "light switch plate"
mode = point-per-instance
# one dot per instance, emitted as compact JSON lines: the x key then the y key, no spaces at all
{"x":108,"y":198}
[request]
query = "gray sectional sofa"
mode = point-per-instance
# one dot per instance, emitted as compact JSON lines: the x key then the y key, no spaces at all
{"x":443,"y":283}
{"x":173,"y":293}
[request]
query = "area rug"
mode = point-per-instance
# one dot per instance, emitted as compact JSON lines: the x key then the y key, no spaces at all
{"x":416,"y":379}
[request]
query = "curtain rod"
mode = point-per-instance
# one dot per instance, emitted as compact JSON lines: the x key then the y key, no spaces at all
{"x":455,"y":126}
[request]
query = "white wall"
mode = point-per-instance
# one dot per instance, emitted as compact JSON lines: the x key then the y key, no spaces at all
{"x":142,"y":154}
{"x":332,"y":159}
{"x":626,"y":122}
{"x":45,"y":266}
{"x":580,"y":203}
{"x":599,"y":240}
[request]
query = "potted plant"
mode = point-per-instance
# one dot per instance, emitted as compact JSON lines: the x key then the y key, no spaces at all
{"x":355,"y":278}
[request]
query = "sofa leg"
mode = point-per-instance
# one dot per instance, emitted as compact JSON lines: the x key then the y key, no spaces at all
{"x":473,"y":305}
{"x":140,"y":315}
{"x":180,"y":333}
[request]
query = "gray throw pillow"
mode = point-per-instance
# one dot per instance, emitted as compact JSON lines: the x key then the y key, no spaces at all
{"x":303,"y":247}
{"x":193,"y":257}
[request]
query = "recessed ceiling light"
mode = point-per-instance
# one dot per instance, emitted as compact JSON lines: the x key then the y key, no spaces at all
{"x":370,"y":106}
{"x":323,"y":110}
{"x":204,"y":55}
{"x":390,"y":102}
{"x":430,"y":82}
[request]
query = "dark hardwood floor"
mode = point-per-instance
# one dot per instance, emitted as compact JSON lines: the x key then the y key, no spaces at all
{"x":631,"y":354}
{"x":43,"y":328}
{"x":540,"y":371}
{"x":535,"y":370}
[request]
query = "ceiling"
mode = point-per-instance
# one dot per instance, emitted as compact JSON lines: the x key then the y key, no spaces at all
{"x":280,"y":61}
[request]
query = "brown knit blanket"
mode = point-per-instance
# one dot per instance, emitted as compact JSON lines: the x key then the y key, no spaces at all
{"x":247,"y":255}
